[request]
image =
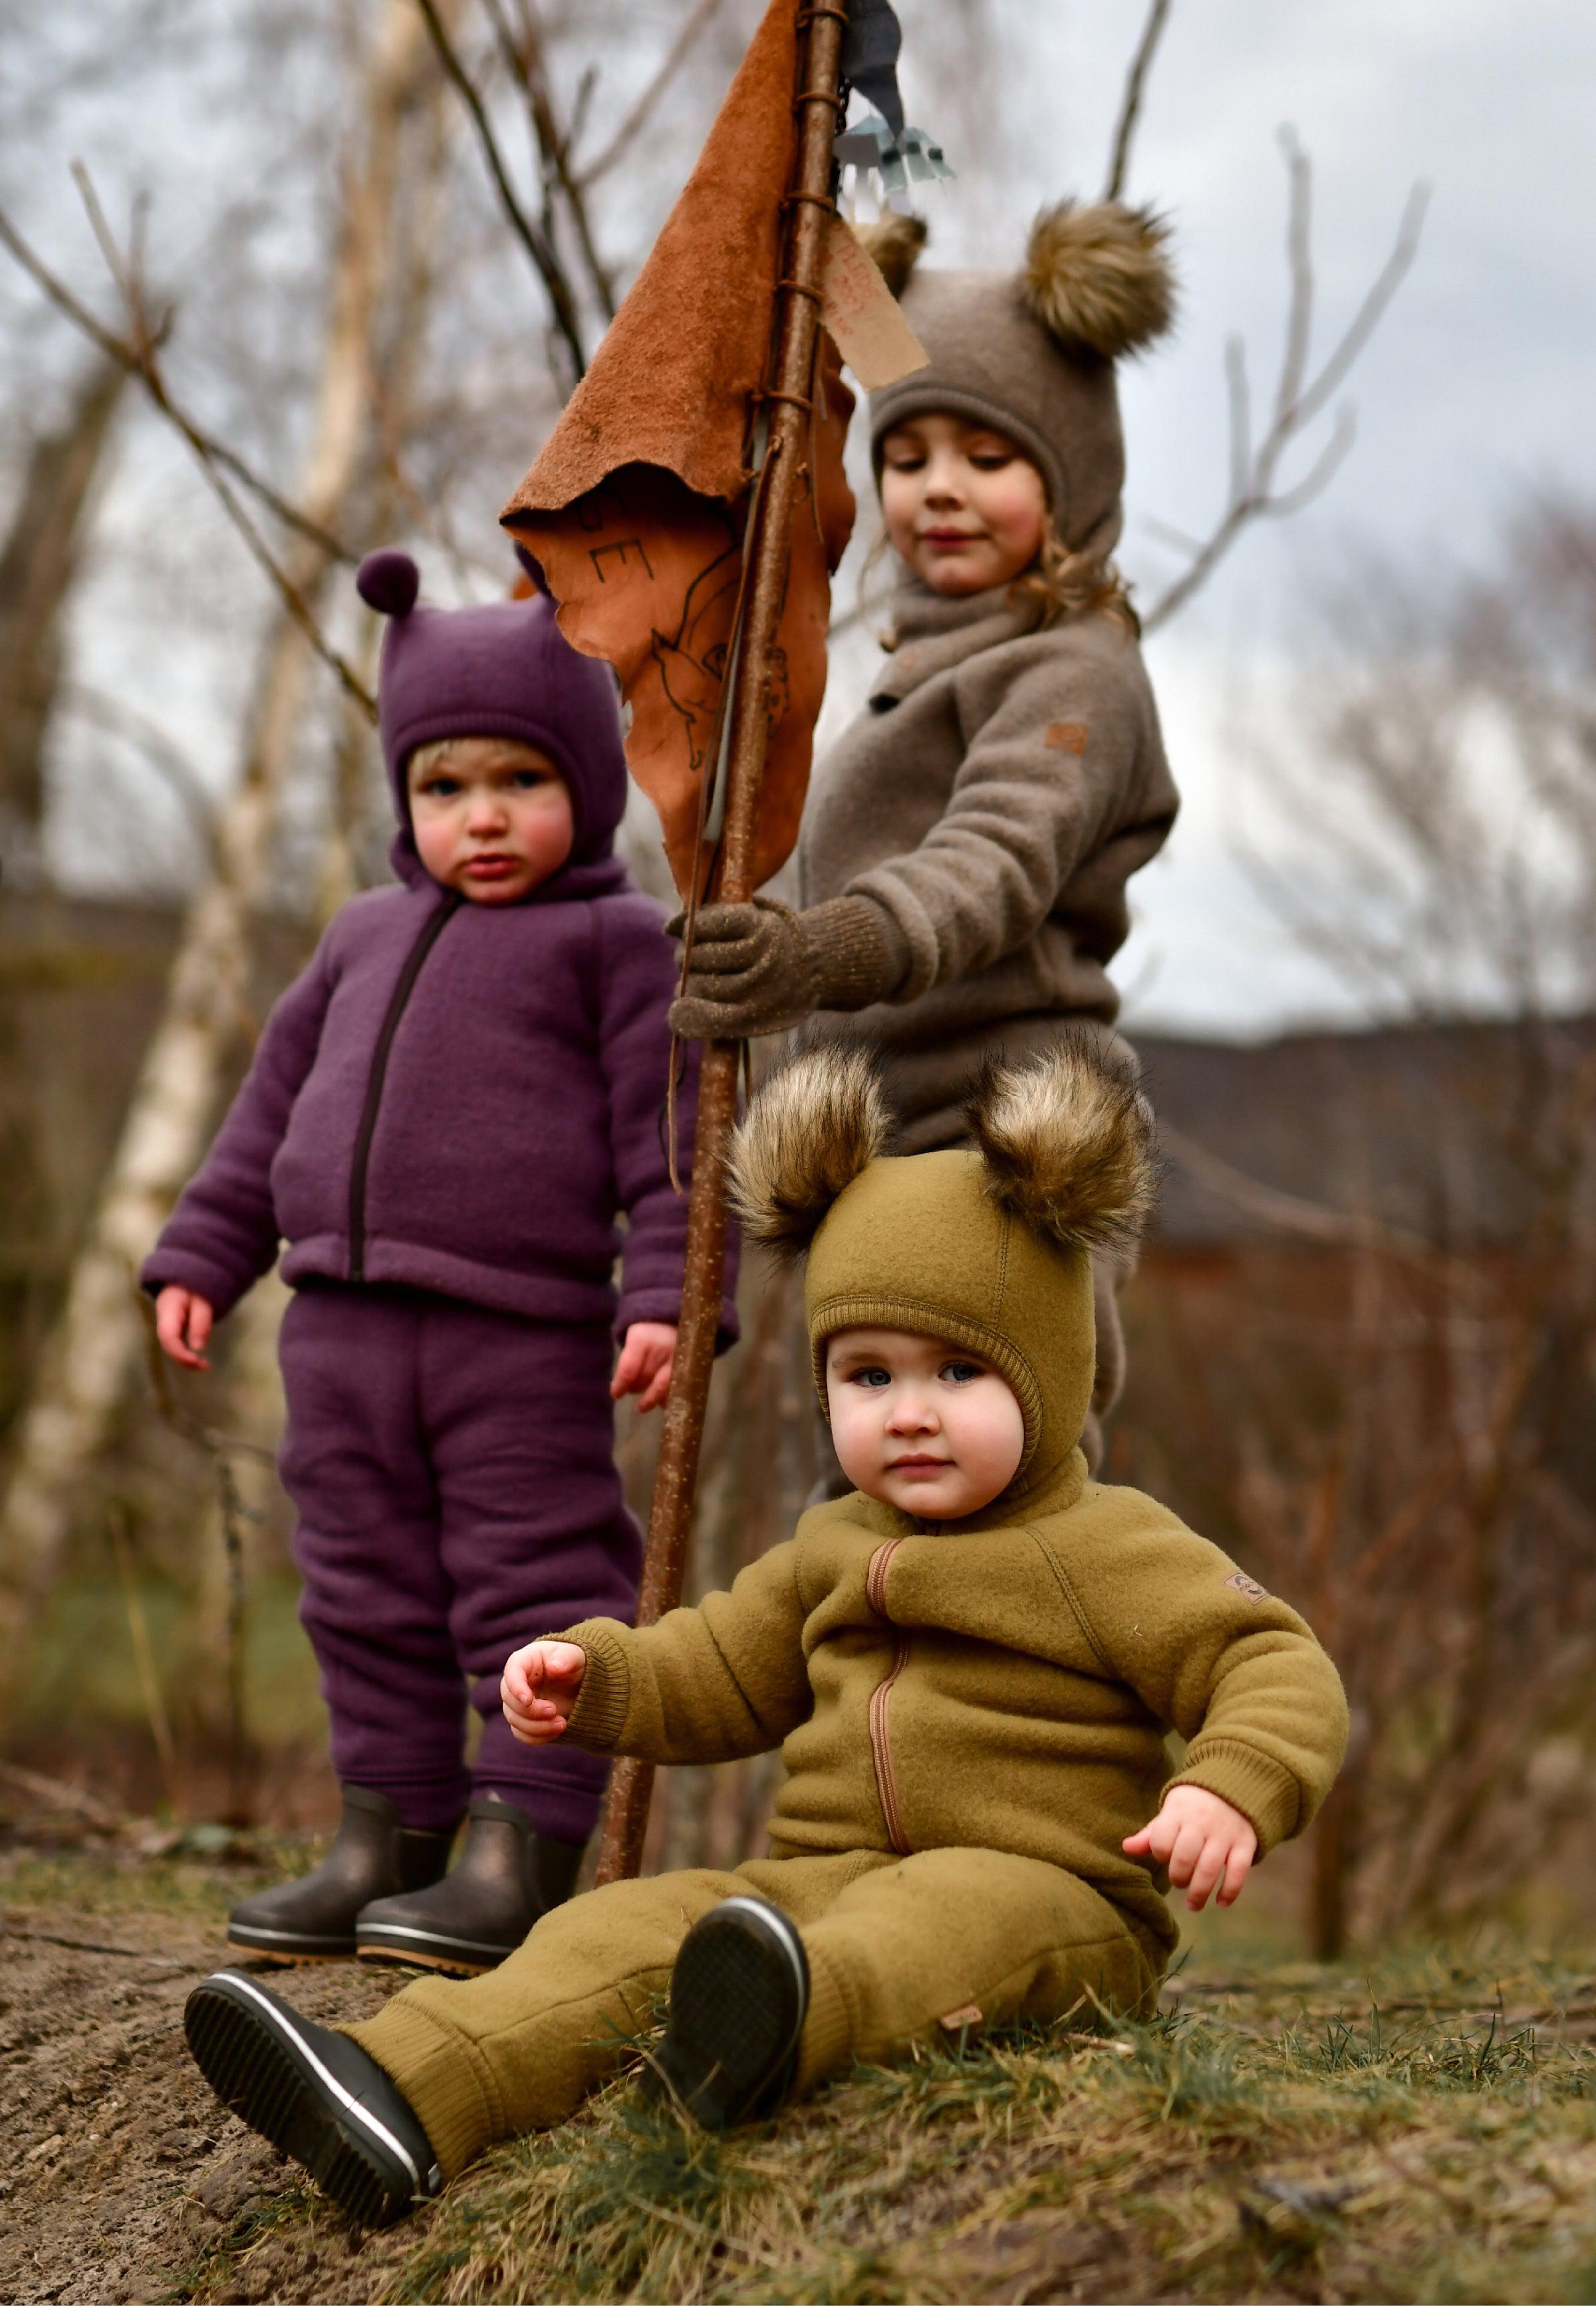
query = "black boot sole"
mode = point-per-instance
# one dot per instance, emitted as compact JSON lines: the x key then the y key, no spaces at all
{"x":425,"y":1950}
{"x":275,"y":2082}
{"x":739,"y":1994}
{"x":290,"y":1947}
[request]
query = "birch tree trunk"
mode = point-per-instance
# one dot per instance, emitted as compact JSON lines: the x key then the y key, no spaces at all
{"x":98,"y":1335}
{"x":38,"y":563}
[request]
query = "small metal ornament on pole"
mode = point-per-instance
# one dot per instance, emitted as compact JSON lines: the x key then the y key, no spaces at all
{"x":789,"y":397}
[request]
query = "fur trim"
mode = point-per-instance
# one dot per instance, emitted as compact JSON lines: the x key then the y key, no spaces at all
{"x":806,"y":1134}
{"x":1101,"y":276}
{"x":1068,"y":1143}
{"x":895,"y":244}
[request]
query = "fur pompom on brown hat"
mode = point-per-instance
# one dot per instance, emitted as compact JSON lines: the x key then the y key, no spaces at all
{"x":1032,"y":352}
{"x":1067,"y":1142}
{"x":808,"y":1133}
{"x":990,"y":1250}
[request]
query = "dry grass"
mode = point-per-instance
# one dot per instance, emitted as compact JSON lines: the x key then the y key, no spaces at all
{"x":1422,"y":2130}
{"x":1427,"y":2133}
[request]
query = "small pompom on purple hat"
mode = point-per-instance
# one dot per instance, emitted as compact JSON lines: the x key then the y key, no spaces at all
{"x":501,"y":669}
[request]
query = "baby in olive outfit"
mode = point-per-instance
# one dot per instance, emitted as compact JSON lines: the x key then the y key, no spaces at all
{"x":969,"y":1664}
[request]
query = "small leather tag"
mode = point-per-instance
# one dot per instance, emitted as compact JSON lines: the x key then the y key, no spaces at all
{"x":1067,"y":736}
{"x":861,"y":314}
{"x":957,"y":2021}
{"x":1249,"y":1587}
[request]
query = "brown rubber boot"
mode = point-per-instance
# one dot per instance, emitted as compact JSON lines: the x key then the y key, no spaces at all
{"x":373,"y":1856}
{"x":508,"y":1876}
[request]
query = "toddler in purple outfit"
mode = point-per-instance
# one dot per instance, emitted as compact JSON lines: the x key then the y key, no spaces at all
{"x":445,"y":1116}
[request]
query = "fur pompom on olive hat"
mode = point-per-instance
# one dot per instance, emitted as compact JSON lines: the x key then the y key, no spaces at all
{"x":991,"y":1249}
{"x":1032,"y":352}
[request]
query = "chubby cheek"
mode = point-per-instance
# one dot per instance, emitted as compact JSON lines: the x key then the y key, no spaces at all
{"x":548,"y":834}
{"x":987,"y":1434}
{"x":856,"y":1425}
{"x":437,"y":842}
{"x":1013,"y":505}
{"x":900,"y":503}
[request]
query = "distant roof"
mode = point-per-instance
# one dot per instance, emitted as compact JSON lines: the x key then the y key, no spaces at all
{"x":1451,"y":1132}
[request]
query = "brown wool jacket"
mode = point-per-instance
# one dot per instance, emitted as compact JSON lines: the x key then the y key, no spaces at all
{"x":993,"y":798}
{"x":1005,"y":1687}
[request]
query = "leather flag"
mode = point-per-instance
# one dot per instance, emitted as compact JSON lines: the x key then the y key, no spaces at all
{"x":635,"y":509}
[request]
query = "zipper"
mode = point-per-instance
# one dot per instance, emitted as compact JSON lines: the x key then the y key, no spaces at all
{"x":431,"y":929}
{"x":881,"y":1699}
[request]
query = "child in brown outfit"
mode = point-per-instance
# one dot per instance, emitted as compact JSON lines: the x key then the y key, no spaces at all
{"x":967,"y":841}
{"x":969,"y":1665}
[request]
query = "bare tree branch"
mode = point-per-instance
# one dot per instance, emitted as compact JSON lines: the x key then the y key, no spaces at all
{"x":1299,"y":399}
{"x":544,"y":257}
{"x":140,"y":360}
{"x":697,"y":20}
{"x":1298,"y":259}
{"x":1119,"y":166}
{"x":524,"y":56}
{"x":137,"y":353}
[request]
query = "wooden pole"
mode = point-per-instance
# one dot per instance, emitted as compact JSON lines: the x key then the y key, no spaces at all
{"x":810,"y":208}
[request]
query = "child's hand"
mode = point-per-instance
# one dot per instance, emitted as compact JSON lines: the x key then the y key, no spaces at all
{"x":1202,"y":1841}
{"x":645,"y":1364}
{"x":183,"y":1323}
{"x":538,"y":1686}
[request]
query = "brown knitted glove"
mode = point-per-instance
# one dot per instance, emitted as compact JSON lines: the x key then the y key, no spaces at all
{"x":760,"y":968}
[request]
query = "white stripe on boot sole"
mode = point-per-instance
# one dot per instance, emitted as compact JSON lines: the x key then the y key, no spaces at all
{"x":778,"y":1926}
{"x":379,"y":1933}
{"x":353,"y":2105}
{"x":253,"y":1930}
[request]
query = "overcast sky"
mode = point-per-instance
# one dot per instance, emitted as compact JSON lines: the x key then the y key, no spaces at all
{"x":1478,"y":382}
{"x":1482,"y":377}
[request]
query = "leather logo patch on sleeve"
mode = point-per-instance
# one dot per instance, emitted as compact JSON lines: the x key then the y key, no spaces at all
{"x":1067,"y":736}
{"x":956,"y":2020}
{"x":1250,"y":1586}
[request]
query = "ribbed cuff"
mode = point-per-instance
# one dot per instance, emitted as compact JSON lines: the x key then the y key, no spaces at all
{"x":604,"y":1699}
{"x":857,"y":952}
{"x":826,"y":2042}
{"x":441,"y":2073}
{"x":1267,"y":1794}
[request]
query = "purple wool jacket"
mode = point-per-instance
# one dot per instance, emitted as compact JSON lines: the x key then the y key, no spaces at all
{"x":463,"y":1099}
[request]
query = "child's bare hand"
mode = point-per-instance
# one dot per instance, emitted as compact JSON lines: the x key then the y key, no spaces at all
{"x":1203,"y":1840}
{"x":538,"y":1687}
{"x":644,"y":1364}
{"x":183,"y":1323}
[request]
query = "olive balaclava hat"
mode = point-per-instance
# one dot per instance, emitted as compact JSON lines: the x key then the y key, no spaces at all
{"x":1032,"y":352}
{"x":990,"y":1250}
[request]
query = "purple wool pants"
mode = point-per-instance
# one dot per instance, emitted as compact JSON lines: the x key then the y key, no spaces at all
{"x":455,"y":1477}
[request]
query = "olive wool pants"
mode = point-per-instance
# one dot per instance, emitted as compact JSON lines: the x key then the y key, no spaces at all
{"x":899,"y":1949}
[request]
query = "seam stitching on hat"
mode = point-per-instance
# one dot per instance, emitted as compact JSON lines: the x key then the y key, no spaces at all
{"x":867,"y":1308}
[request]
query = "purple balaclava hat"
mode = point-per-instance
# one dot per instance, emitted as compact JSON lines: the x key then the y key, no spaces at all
{"x":502,"y":670}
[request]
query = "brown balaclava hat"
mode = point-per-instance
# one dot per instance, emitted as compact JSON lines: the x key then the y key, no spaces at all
{"x":1032,"y":353}
{"x":990,"y":1250}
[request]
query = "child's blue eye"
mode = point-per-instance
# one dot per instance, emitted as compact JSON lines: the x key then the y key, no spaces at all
{"x":442,"y":788}
{"x":527,"y":780}
{"x":961,"y":1372}
{"x":870,"y":1377}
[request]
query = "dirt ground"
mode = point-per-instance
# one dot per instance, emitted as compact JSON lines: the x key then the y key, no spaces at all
{"x":124,"y":2179}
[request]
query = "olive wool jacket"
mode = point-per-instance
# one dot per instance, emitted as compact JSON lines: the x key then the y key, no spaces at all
{"x":1004,"y":1687}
